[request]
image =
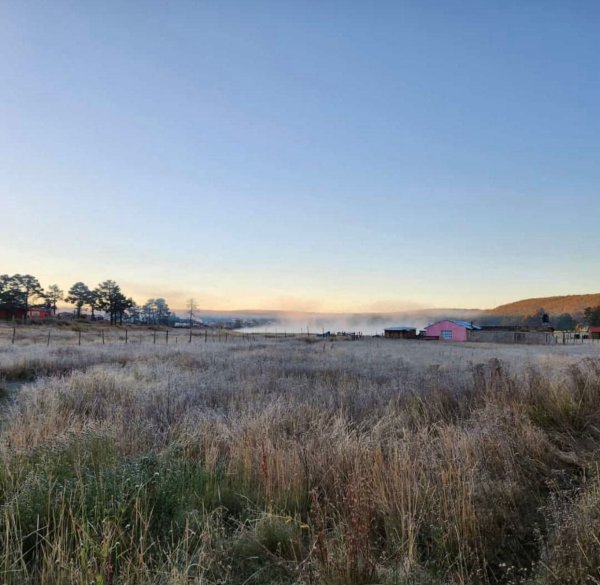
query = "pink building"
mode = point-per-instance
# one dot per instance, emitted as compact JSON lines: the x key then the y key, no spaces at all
{"x":450,"y":330}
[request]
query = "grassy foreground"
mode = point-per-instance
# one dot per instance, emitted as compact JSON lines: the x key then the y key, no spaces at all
{"x":290,"y":462}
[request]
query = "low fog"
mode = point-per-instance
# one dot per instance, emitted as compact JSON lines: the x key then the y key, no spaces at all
{"x":367,"y":324}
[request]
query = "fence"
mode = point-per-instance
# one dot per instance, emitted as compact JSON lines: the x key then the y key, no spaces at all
{"x":25,"y":335}
{"x":40,"y":335}
{"x":574,"y":337}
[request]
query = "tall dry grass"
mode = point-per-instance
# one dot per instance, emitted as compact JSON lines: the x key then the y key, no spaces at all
{"x":287,"y":462}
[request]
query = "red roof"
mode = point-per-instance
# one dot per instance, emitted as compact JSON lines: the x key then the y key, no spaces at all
{"x":595,"y":329}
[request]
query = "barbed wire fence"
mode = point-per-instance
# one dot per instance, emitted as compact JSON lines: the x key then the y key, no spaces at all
{"x":49,"y":336}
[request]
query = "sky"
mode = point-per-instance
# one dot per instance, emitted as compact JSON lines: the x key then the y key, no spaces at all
{"x":308,"y":155}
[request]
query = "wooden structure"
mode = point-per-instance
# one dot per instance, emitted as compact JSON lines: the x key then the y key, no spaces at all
{"x":512,"y":335}
{"x":400,"y":332}
{"x":11,"y":312}
{"x":594,"y":332}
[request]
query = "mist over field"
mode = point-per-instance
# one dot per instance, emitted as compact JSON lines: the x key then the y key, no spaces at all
{"x":364,"y":323}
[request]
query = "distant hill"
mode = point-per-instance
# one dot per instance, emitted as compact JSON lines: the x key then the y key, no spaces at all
{"x":572,"y":304}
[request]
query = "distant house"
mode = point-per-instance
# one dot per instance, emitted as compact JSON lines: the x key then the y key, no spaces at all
{"x":400,"y":332}
{"x":10,"y":311}
{"x":450,"y":330}
{"x":594,"y":332}
{"x":66,"y":316}
{"x":40,"y":312}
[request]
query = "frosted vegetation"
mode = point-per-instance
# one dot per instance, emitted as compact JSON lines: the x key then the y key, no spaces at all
{"x":287,"y":461}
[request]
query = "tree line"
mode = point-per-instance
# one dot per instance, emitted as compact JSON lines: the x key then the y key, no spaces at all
{"x":18,"y":292}
{"x":566,"y":321}
{"x":562,"y":322}
{"x":592,"y":316}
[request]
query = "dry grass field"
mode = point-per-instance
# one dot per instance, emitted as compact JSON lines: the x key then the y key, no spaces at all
{"x":290,"y":461}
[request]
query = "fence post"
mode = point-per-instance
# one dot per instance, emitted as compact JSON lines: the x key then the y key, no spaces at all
{"x":102,"y":336}
{"x":13,"y":335}
{"x":125,"y":336}
{"x":154,"y":337}
{"x":48,"y":341}
{"x":205,"y":335}
{"x":79,"y":337}
{"x":167,"y":337}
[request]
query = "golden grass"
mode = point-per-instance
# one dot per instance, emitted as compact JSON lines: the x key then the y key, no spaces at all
{"x":278,"y":461}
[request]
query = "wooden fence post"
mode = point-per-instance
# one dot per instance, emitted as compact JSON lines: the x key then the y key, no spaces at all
{"x":48,"y":341}
{"x":79,"y":337}
{"x":126,"y":337}
{"x":102,"y":336}
{"x":13,"y":335}
{"x":154,"y":337}
{"x":167,"y":337}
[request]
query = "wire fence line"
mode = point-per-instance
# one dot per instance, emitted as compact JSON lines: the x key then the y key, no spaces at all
{"x":54,"y":336}
{"x":39,"y":335}
{"x":574,"y":338}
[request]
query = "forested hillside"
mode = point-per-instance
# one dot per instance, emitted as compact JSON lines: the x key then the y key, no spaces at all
{"x":572,"y":304}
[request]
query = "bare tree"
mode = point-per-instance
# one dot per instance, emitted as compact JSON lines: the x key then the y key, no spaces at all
{"x":191,"y":306}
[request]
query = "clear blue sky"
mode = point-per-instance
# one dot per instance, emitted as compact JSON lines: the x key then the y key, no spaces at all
{"x":311,"y":155}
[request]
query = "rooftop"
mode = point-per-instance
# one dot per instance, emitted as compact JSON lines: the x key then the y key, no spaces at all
{"x":460,"y":323}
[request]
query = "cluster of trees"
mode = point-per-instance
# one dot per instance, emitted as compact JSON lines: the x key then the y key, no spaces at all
{"x":592,"y":316}
{"x":152,"y":312}
{"x":19,"y":291}
{"x":156,"y":312}
{"x":568,"y":322}
{"x":560,"y":322}
{"x":107,"y":296}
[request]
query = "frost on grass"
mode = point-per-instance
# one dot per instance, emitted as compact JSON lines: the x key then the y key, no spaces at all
{"x":286,"y":462}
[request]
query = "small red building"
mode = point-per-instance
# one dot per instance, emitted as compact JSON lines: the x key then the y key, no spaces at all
{"x":40,"y":312}
{"x":9,"y":312}
{"x":594,"y":332}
